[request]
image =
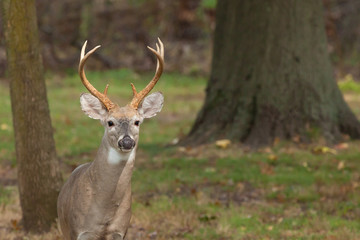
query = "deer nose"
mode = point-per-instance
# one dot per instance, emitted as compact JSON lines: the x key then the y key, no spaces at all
{"x":126,"y":143}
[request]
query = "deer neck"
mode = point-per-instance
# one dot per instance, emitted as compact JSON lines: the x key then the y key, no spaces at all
{"x":111,"y":170}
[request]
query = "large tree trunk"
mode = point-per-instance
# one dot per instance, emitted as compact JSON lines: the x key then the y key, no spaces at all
{"x":271,"y":76}
{"x":39,"y":175}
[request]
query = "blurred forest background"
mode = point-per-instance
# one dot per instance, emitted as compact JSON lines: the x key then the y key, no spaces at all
{"x":123,"y":28}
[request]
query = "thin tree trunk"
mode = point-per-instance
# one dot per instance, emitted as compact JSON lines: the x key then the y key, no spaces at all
{"x":271,"y":76}
{"x":39,"y":177}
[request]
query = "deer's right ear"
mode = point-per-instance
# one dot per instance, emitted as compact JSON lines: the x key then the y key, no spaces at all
{"x":92,"y":107}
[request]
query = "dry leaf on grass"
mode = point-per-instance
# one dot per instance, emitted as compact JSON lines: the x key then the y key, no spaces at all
{"x":340,"y":165}
{"x":341,"y":146}
{"x":323,"y":150}
{"x":272,"y":157}
{"x":4,"y":126}
{"x":223,"y":143}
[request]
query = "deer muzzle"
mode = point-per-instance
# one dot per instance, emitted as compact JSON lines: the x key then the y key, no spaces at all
{"x":126,"y":143}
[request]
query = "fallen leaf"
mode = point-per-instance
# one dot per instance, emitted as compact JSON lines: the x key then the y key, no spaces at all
{"x":4,"y":126}
{"x":223,"y":143}
{"x":305,"y":165}
{"x":272,"y":158}
{"x":323,"y":150}
{"x":341,"y":146}
{"x":340,"y":165}
{"x":15,"y":224}
{"x":184,"y":149}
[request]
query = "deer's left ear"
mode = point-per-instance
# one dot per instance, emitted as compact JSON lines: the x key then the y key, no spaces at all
{"x":151,"y":105}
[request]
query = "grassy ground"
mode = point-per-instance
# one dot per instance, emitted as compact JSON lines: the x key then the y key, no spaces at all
{"x":288,"y":191}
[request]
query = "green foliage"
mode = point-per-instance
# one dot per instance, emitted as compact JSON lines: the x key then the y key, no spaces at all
{"x":349,"y":85}
{"x":208,"y":3}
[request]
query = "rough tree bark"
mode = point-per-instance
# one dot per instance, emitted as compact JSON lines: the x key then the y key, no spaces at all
{"x":39,"y":177}
{"x":271,"y":76}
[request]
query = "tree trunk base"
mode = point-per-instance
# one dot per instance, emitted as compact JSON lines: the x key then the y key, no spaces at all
{"x":271,"y":77}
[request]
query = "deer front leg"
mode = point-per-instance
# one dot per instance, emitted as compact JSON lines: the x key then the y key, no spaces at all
{"x":119,"y":225}
{"x":116,"y":236}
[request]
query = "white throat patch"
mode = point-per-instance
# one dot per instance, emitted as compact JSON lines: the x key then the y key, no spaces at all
{"x":114,"y":157}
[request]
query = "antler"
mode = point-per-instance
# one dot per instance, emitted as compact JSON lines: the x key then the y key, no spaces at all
{"x":139,"y":96}
{"x":102,"y":97}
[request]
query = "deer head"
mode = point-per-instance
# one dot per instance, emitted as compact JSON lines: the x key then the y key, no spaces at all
{"x":122,"y":123}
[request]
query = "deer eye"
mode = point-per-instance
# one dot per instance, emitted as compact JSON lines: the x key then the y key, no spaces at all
{"x":110,"y":123}
{"x":137,"y":123}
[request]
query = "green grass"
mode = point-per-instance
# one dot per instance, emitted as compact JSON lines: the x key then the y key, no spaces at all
{"x":205,"y":192}
{"x":297,"y":201}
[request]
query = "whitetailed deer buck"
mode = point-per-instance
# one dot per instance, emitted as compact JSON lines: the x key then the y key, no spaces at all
{"x":95,"y":202}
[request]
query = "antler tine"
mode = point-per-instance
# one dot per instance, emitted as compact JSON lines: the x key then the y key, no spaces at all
{"x":139,"y":96}
{"x":161,"y":49}
{"x":102,"y":97}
